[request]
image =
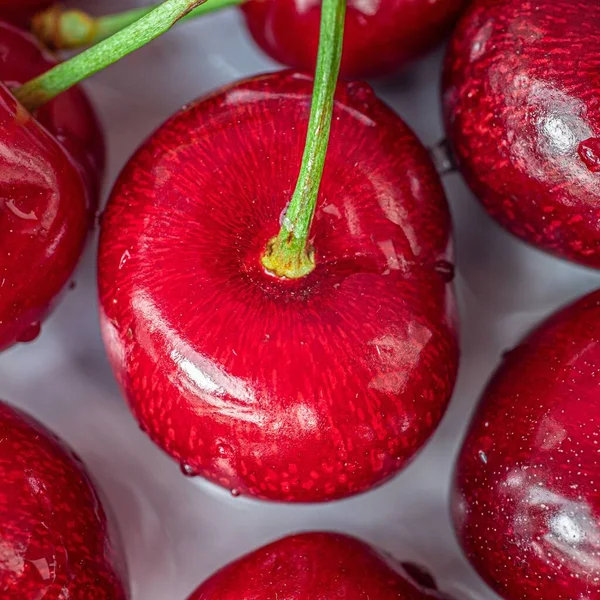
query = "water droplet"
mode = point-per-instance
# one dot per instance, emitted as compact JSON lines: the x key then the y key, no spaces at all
{"x":188,"y":470}
{"x":30,"y":334}
{"x":359,"y":90}
{"x":589,"y":152}
{"x":126,"y":256}
{"x":236,"y":493}
{"x":222,"y":449}
{"x":445,"y":270}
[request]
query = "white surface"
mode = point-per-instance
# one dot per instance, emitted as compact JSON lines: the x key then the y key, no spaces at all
{"x":177,"y":533}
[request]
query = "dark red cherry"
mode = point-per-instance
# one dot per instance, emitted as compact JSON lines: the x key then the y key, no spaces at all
{"x":70,"y":117}
{"x":43,"y":221}
{"x":298,"y":390}
{"x":381,"y":35}
{"x":526,"y":498}
{"x":21,"y":11}
{"x":57,"y":541}
{"x":522,"y":110}
{"x":316,"y":566}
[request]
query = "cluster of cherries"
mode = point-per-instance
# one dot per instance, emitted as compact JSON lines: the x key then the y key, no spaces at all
{"x":294,"y":337}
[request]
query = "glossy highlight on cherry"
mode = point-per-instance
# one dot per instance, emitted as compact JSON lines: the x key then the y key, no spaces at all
{"x":381,"y":36}
{"x":57,"y":541}
{"x":318,"y":566}
{"x":522,"y":116}
{"x":298,"y":390}
{"x":526,"y":503}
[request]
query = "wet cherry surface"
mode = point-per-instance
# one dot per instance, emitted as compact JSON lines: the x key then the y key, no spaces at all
{"x":522,"y":111}
{"x":70,"y":118}
{"x":55,"y":537}
{"x":380,"y":37}
{"x":43,"y":221}
{"x":526,"y":500}
{"x":303,"y":390}
{"x":316,"y":566}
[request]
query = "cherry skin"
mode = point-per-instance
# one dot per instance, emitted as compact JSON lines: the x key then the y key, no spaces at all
{"x":43,"y":221}
{"x":70,"y":117}
{"x":297,"y":390}
{"x":380,"y":37}
{"x":317,"y":566}
{"x":21,"y":11}
{"x":57,"y":541}
{"x":523,"y":118}
{"x":526,"y":502}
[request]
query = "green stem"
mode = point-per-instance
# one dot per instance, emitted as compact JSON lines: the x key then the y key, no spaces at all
{"x":290,"y":254}
{"x":65,"y":75}
{"x":63,"y":29}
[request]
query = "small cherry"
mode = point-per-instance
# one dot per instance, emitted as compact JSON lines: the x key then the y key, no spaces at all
{"x":21,"y":11}
{"x":521,"y":99}
{"x":44,"y":213}
{"x":318,"y":566}
{"x":57,"y":540}
{"x":526,"y":499}
{"x":307,"y":365}
{"x":69,"y":117}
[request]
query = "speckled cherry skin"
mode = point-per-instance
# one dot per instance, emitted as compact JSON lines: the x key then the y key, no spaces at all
{"x":521,"y":99}
{"x":57,"y":542}
{"x":303,"y":390}
{"x":314,"y":566}
{"x":43,"y":221}
{"x":70,"y":117}
{"x":526,"y":501}
{"x":21,"y":11}
{"x":381,"y":35}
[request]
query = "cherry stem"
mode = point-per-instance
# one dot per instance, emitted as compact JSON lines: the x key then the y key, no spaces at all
{"x":67,"y":29}
{"x":290,"y":253}
{"x":63,"y":76}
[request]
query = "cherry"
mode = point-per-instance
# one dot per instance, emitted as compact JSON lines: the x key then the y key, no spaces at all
{"x":381,"y":36}
{"x":315,"y":566}
{"x":302,"y":389}
{"x":43,"y":221}
{"x":526,"y":501}
{"x":21,"y":11}
{"x":57,"y":541}
{"x":70,"y":117}
{"x":523,"y":117}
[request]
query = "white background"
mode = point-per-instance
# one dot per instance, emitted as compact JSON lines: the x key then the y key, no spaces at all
{"x":176,"y":531}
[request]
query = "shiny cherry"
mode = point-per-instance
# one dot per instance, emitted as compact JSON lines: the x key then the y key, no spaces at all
{"x":57,"y":541}
{"x":381,"y":36}
{"x":21,"y":11}
{"x":318,"y":566}
{"x":526,"y":499}
{"x":70,"y":117}
{"x":522,"y":110}
{"x":43,"y":221}
{"x":297,"y":390}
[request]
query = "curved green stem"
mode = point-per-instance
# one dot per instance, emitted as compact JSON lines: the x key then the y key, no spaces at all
{"x":62,"y":29}
{"x":65,"y":75}
{"x":290,"y":254}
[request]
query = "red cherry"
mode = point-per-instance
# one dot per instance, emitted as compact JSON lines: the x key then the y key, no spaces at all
{"x":57,"y":541}
{"x":43,"y":221}
{"x":381,"y":36}
{"x":522,"y":111}
{"x":298,"y":390}
{"x":21,"y":11}
{"x":315,"y":566}
{"x":70,"y":117}
{"x":526,"y":498}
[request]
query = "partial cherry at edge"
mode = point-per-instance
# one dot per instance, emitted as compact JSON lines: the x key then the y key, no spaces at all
{"x":526,"y":499}
{"x":521,"y":97}
{"x":21,"y":11}
{"x":70,"y":117}
{"x":380,"y":37}
{"x":57,"y":539}
{"x":296,"y":390}
{"x":318,"y":566}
